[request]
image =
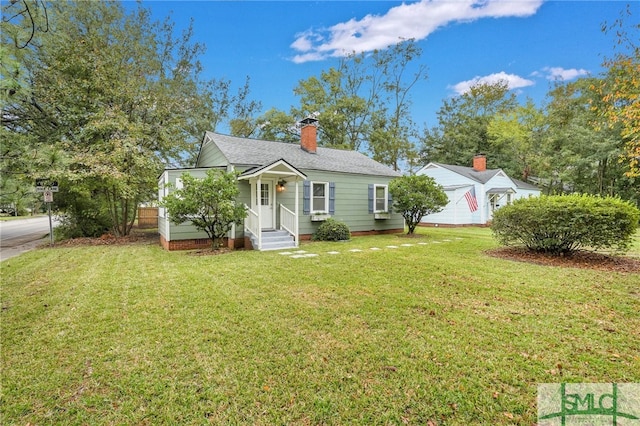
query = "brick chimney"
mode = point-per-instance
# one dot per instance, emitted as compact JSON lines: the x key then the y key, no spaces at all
{"x":308,"y":135}
{"x":480,"y":163}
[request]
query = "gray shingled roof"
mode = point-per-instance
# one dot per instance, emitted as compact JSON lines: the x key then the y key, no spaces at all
{"x":484,"y":176}
{"x":524,"y":185}
{"x":469,"y":172}
{"x":255,"y":152}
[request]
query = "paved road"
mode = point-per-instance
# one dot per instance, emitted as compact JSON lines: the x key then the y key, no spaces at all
{"x":18,"y":236}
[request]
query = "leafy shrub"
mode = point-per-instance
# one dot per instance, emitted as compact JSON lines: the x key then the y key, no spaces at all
{"x":81,"y":217}
{"x":81,"y":224}
{"x":208,"y":203}
{"x":81,"y":211}
{"x":332,"y":230}
{"x":565,"y":223}
{"x":416,"y":196}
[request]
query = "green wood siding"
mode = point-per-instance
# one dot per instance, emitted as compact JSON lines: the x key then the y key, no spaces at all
{"x":210,"y":156}
{"x":162,"y":227}
{"x":245,"y":198}
{"x":350,"y":193}
{"x":351,"y":202}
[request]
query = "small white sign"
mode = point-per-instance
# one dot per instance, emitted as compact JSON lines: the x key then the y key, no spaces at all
{"x":44,"y":184}
{"x":48,"y":196}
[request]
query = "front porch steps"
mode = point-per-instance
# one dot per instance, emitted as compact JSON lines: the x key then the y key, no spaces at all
{"x":274,"y":240}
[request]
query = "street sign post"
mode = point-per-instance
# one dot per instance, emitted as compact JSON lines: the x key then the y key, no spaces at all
{"x":48,"y":187}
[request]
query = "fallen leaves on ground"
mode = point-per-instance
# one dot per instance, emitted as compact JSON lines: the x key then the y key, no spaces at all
{"x":579,"y":259}
{"x":136,"y":237}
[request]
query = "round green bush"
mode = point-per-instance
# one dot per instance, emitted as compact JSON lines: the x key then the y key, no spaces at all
{"x":332,"y":230}
{"x":562,"y":224}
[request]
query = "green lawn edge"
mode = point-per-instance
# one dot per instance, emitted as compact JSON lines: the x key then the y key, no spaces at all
{"x":426,"y":329}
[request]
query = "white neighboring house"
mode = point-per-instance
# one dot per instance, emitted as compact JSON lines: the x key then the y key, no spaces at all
{"x":474,"y":192}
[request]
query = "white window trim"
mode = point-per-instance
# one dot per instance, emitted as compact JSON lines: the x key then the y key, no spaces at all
{"x":495,"y":199}
{"x":386,"y":198}
{"x":326,"y":198}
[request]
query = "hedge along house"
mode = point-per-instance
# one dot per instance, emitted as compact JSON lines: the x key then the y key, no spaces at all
{"x":474,"y":192}
{"x":289,"y":190}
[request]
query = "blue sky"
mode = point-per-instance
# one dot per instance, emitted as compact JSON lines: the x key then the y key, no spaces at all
{"x":279,"y":43}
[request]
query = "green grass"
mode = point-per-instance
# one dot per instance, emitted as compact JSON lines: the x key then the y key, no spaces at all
{"x":9,"y":218}
{"x":437,"y":332}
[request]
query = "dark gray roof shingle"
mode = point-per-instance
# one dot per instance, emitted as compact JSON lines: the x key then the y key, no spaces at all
{"x":255,"y":152}
{"x":524,"y":185}
{"x":484,"y":176}
{"x":469,"y":172}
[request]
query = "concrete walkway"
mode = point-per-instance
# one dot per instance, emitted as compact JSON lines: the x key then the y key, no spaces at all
{"x":301,"y":254}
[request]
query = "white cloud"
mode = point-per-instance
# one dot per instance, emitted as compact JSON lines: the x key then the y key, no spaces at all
{"x":307,"y":57}
{"x":415,"y":20}
{"x":513,"y":82}
{"x":559,"y":73}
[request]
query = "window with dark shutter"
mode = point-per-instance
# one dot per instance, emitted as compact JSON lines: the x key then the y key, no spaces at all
{"x":306,"y":197}
{"x":318,"y":197}
{"x":332,"y":198}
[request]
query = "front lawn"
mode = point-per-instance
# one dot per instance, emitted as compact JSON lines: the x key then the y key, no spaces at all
{"x":437,"y":331}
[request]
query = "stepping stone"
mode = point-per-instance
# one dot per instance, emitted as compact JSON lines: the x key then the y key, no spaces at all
{"x":299,"y":252}
{"x":355,"y":250}
{"x":447,"y":240}
{"x":300,"y":256}
{"x":392,"y":247}
{"x":438,"y":242}
{"x":375,"y":248}
{"x":333,"y":252}
{"x":423,"y":244}
{"x":406,"y":245}
{"x":285,"y":253}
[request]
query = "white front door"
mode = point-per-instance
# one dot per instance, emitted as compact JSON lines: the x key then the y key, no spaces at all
{"x":266,"y":205}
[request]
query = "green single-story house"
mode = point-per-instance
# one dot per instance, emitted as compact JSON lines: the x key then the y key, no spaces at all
{"x":289,"y":190}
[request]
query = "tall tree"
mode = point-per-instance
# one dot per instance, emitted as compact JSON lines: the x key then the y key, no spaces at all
{"x":392,"y":129}
{"x":113,"y":97}
{"x":23,"y":25}
{"x":364,"y":103}
{"x":343,"y":100}
{"x":24,"y":20}
{"x":580,"y":150}
{"x":620,"y":90}
{"x":463,"y":124}
{"x":276,"y":125}
{"x":244,"y":109}
{"x":515,"y":138}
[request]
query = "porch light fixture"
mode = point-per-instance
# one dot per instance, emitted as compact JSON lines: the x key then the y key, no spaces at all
{"x":280,"y":187}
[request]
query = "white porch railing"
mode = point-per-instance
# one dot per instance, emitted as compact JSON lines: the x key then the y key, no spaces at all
{"x":289,"y":222}
{"x":252,"y":223}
